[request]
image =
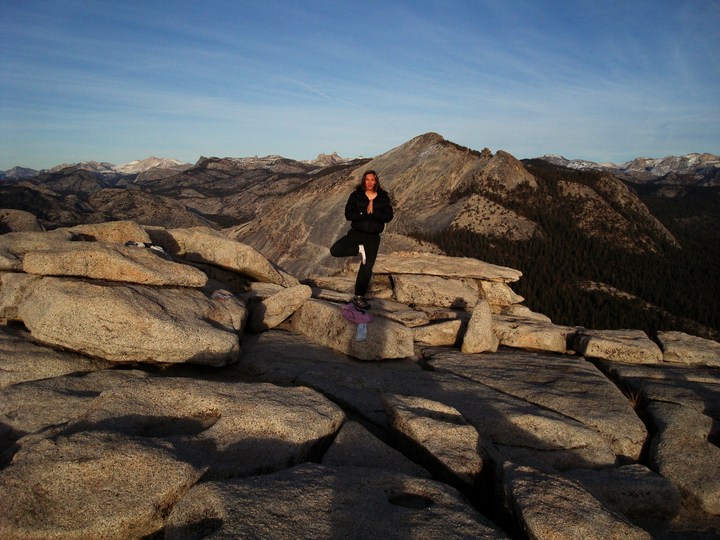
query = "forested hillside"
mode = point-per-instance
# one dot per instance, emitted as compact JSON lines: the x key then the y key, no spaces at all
{"x":578,"y":280}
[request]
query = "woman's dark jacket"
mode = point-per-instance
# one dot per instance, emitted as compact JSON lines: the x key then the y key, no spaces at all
{"x":356,"y":211}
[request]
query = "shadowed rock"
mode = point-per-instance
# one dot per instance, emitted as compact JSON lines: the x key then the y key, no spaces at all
{"x":12,"y":220}
{"x":91,"y":485}
{"x":313,"y":501}
{"x":41,"y":406}
{"x":23,"y":360}
{"x":271,"y":311}
{"x":437,"y":433}
{"x":517,"y":427}
{"x":633,"y":490}
{"x":567,"y":385}
{"x":14,"y":246}
{"x":14,"y":287}
{"x":355,"y":446}
{"x":681,"y":452}
{"x":550,"y":506}
{"x":230,"y":429}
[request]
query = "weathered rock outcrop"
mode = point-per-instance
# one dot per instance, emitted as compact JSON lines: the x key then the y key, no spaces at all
{"x":536,"y":436}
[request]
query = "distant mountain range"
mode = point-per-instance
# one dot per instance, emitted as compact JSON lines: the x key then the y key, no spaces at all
{"x":148,"y":164}
{"x":690,"y":169}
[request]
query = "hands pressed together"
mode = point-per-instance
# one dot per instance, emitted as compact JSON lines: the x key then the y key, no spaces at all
{"x":370,"y":195}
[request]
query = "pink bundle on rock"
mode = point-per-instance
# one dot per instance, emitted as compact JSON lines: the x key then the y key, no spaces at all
{"x":354,"y":315}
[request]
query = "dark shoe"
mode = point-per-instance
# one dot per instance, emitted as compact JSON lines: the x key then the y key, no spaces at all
{"x":360,"y":303}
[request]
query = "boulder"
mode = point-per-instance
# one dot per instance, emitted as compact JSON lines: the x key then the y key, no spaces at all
{"x":630,"y":346}
{"x":14,"y":286}
{"x":205,"y":245}
{"x":323,"y":323}
{"x":499,"y":293}
{"x":435,"y":291}
{"x":14,"y":245}
{"x":10,"y":262}
{"x":446,"y":333}
{"x":479,"y":336}
{"x":112,"y":231}
{"x":396,"y":311}
{"x":12,"y":220}
{"x":531,"y":333}
{"x":91,"y":485}
{"x":682,"y":348}
{"x":355,"y":446}
{"x":22,"y":360}
{"x":37,"y":408}
{"x":681,"y":452}
{"x":313,"y":501}
{"x":633,"y":490}
{"x":111,"y":262}
{"x":438,"y":434}
{"x":546,"y":505}
{"x":133,"y":323}
{"x":441,"y":265}
{"x":519,"y":311}
{"x":568,"y":385}
{"x":270,"y":312}
{"x":445,"y":314}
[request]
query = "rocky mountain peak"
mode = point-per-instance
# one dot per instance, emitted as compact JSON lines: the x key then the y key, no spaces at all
{"x":325,"y":160}
{"x":92,"y":166}
{"x":152,"y":162}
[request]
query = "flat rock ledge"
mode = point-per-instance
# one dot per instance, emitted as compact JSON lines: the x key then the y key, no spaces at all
{"x":681,"y":348}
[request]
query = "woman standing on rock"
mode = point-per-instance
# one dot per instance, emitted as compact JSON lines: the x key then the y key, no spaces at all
{"x":368,"y":209}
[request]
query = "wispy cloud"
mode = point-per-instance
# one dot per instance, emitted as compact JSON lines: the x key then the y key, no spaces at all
{"x":589,"y":80}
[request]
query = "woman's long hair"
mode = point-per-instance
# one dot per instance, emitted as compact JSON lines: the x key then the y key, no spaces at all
{"x":361,"y":185}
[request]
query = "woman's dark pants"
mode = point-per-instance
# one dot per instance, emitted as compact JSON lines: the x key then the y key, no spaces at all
{"x":347,"y":246}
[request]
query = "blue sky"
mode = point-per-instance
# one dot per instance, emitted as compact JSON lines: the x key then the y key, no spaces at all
{"x":119,"y":81}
